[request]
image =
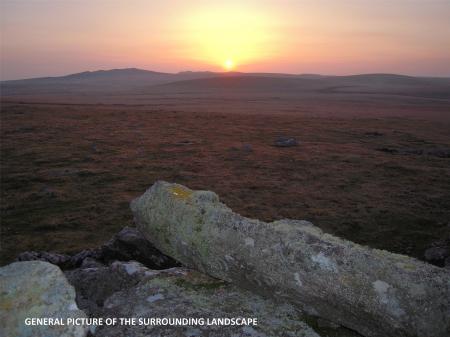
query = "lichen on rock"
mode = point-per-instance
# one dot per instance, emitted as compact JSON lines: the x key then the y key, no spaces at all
{"x":374,"y":292}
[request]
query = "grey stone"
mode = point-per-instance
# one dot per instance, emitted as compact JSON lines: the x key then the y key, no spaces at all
{"x":179,"y":293}
{"x":90,"y":262}
{"x":36,"y":289}
{"x":61,"y":260}
{"x":286,"y":142}
{"x":130,"y":244}
{"x":372,"y":291}
{"x":437,"y":255}
{"x":94,"y":285}
{"x":78,"y":259}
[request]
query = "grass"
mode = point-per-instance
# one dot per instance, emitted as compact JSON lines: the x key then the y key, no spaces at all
{"x":62,"y":193}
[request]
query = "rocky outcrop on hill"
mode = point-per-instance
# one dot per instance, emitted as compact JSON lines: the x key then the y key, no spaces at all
{"x":374,"y":292}
{"x":37,"y":289}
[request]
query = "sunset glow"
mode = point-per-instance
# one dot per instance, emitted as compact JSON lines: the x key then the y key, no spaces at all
{"x":234,"y":33}
{"x":44,"y":38}
{"x":229,"y":65}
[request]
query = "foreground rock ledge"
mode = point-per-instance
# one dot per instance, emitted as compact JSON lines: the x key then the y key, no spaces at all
{"x":374,"y":292}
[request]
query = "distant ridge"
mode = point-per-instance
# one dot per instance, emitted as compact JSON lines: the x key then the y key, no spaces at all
{"x":140,"y":81}
{"x":184,"y":75}
{"x":113,"y":72}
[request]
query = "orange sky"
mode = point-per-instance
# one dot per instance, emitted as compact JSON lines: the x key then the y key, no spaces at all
{"x":48,"y":38}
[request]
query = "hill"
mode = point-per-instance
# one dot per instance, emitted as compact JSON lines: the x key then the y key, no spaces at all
{"x":133,"y":81}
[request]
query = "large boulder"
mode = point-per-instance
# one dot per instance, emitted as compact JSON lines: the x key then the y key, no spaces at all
{"x":37,"y":289}
{"x":374,"y":292}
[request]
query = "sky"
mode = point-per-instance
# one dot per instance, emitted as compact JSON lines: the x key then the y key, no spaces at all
{"x":52,"y":38}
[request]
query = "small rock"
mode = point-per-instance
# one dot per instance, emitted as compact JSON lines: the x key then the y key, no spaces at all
{"x":77,"y":259}
{"x":130,"y":244}
{"x":89,"y":262}
{"x":60,"y":260}
{"x":286,"y":142}
{"x":48,"y":192}
{"x":247,"y":148}
{"x":437,"y":255}
{"x":94,"y":285}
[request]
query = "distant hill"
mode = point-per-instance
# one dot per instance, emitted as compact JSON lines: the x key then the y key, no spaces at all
{"x":386,"y":84}
{"x":133,"y":80}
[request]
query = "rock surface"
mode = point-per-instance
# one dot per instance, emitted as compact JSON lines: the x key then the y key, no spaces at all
{"x":439,"y":253}
{"x":374,"y":292}
{"x":95,"y":284}
{"x":131,"y":290}
{"x":61,"y":260}
{"x":36,"y":289}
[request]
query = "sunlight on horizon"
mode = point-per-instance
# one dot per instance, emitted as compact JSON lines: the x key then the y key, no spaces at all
{"x":238,"y":35}
{"x":229,"y":65}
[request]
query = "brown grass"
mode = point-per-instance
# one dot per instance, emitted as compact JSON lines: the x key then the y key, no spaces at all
{"x":68,"y":172}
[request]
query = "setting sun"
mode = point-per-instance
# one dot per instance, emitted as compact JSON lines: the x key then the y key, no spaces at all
{"x":229,"y":65}
{"x":228,"y":35}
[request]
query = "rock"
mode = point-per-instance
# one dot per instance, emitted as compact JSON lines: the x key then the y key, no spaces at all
{"x":37,"y":289}
{"x":94,"y":285}
{"x":78,"y":259}
{"x":286,"y":142}
{"x":128,"y":244}
{"x":247,"y":148}
{"x":374,"y":292}
{"x":89,"y":262}
{"x":60,"y":260}
{"x":437,"y":255}
{"x":179,"y":293}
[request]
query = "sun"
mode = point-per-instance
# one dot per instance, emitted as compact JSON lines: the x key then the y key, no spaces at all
{"x":229,"y":64}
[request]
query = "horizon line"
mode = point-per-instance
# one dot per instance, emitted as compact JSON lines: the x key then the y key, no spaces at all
{"x":221,"y":72}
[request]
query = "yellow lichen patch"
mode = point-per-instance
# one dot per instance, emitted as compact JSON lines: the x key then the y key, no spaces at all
{"x":180,"y":192}
{"x":6,"y":304}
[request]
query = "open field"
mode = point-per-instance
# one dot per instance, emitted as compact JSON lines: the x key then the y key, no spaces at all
{"x":372,"y":168}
